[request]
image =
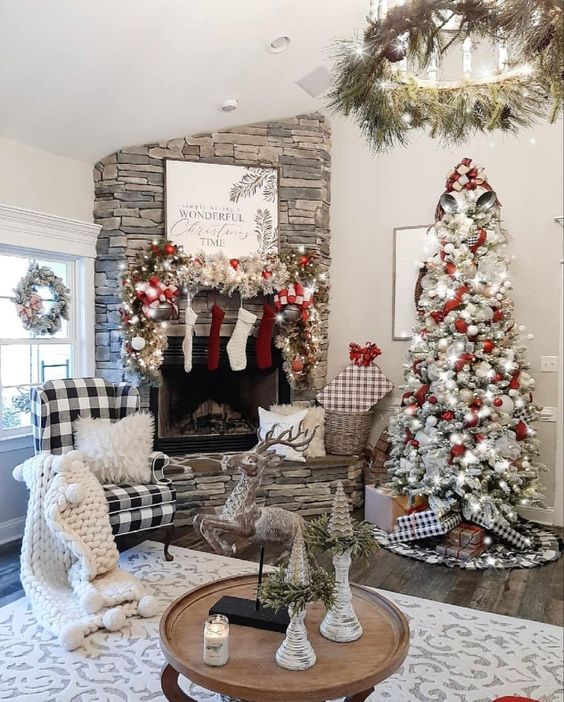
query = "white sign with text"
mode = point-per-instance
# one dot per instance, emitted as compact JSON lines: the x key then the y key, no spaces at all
{"x":218,"y":208}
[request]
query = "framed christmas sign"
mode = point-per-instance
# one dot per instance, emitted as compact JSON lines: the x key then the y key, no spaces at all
{"x":411,"y":245}
{"x":218,"y":208}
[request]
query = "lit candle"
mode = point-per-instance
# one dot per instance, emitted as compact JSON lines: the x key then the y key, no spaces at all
{"x":216,"y":640}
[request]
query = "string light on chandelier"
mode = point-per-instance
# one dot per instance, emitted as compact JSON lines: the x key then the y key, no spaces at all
{"x":389,"y":80}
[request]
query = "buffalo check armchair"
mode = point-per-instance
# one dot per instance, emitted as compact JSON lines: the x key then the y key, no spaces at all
{"x":55,"y":406}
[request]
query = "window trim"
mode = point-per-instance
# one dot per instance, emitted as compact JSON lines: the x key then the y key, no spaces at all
{"x":59,"y":238}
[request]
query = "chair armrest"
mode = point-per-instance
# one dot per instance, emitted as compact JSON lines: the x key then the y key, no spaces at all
{"x":159,"y":461}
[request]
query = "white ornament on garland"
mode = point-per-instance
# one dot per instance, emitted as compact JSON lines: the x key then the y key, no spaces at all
{"x":29,"y":303}
{"x":138,"y":343}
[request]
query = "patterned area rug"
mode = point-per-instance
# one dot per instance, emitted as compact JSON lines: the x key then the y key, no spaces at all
{"x":456,"y":654}
{"x":545,"y":549}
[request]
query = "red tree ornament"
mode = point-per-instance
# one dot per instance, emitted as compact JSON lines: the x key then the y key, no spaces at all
{"x":234,"y":263}
{"x":297,"y":365}
{"x":487,"y":345}
{"x":457,"y":450}
{"x":169,"y":249}
{"x":448,"y":416}
{"x":521,"y":431}
{"x":461,"y":326}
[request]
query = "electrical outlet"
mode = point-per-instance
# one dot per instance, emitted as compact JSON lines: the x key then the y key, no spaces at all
{"x":549,"y":364}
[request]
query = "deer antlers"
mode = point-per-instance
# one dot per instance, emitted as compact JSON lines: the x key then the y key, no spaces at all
{"x":298,"y":441}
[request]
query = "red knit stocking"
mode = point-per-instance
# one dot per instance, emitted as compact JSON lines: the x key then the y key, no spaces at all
{"x":213,"y":340}
{"x":263,"y":342}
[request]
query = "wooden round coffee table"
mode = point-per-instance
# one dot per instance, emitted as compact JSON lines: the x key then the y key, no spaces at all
{"x":342,"y":670}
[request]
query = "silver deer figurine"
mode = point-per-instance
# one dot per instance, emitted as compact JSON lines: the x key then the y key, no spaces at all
{"x":241,"y":517}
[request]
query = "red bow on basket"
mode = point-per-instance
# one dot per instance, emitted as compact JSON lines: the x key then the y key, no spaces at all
{"x":363,"y":355}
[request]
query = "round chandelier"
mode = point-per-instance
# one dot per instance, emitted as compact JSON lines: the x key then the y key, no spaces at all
{"x":391,"y":78}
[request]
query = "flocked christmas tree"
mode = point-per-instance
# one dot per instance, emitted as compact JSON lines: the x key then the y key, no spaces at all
{"x":464,"y":436}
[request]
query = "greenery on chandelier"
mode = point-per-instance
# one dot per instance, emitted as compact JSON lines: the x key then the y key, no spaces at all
{"x":154,"y":281}
{"x":378,"y":80}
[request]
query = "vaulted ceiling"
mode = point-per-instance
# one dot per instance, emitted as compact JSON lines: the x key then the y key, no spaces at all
{"x":85,"y":77}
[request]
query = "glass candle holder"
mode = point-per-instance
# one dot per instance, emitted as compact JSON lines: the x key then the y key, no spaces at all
{"x":216,"y":640}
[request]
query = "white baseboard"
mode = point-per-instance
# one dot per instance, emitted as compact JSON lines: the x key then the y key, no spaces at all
{"x":11,"y":530}
{"x":542,"y":515}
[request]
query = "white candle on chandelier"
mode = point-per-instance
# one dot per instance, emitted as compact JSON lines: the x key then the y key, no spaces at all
{"x":467,"y":57}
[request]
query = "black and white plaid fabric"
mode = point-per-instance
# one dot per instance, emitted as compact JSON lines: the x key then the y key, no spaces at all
{"x":134,"y":520}
{"x":58,"y":403}
{"x":122,"y":498}
{"x":356,"y":389}
{"x":505,"y":531}
{"x":423,"y":525}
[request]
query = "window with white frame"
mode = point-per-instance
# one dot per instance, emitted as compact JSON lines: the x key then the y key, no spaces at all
{"x":25,"y":359}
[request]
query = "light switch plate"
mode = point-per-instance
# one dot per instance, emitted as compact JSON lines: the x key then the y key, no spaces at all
{"x":549,"y":364}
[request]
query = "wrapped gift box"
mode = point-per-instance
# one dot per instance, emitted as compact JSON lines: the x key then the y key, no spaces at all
{"x":464,"y":553}
{"x":422,"y":525}
{"x":356,"y":389}
{"x":501,"y":528}
{"x":465,"y":534}
{"x":382,"y":509}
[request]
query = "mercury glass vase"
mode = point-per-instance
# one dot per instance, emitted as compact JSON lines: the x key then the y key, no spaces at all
{"x":296,"y":652}
{"x":341,"y":624}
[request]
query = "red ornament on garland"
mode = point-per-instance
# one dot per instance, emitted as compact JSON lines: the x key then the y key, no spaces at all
{"x":497,"y":315}
{"x":487,"y":345}
{"x":304,"y":261}
{"x":498,"y":377}
{"x":458,"y":450}
{"x":414,"y":443}
{"x":432,"y":400}
{"x":267,"y":275}
{"x":234,"y":263}
{"x":498,"y":402}
{"x":448,"y":416}
{"x":170,"y":249}
{"x":297,"y":365}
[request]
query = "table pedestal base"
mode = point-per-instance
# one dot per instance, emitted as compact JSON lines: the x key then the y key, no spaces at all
{"x":173,"y":692}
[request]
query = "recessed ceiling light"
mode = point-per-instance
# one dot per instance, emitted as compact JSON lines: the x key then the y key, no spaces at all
{"x":279,"y":44}
{"x":230,"y":104}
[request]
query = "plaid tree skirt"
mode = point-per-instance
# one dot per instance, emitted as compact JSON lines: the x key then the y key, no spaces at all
{"x":546,"y":547}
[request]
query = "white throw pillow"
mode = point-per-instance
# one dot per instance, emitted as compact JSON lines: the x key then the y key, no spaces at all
{"x":268,"y":420}
{"x":315,"y":417}
{"x":117,"y":452}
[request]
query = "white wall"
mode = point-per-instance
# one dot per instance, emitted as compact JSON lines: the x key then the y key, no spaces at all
{"x":46,"y":182}
{"x":373,"y":194}
{"x":38,"y":180}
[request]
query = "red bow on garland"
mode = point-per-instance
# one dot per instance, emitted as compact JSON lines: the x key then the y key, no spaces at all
{"x":295,"y":294}
{"x":365,"y":355}
{"x":154,"y":292}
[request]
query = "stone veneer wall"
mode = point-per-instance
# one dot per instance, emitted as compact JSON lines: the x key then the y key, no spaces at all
{"x":129,"y":205}
{"x":307,"y":488}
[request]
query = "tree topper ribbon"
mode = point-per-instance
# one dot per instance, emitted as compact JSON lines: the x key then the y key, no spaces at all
{"x":467,"y":177}
{"x":363,"y":355}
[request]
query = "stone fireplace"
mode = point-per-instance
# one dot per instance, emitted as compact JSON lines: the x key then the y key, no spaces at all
{"x":129,"y":205}
{"x":212,"y":411}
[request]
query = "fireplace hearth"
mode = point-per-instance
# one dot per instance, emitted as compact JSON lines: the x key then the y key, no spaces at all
{"x":213,"y":411}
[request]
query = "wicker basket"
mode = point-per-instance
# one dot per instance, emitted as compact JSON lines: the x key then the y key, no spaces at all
{"x":346,"y":433}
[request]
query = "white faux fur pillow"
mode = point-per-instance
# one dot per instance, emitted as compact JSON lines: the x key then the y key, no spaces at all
{"x":315,"y":417}
{"x":118,"y":452}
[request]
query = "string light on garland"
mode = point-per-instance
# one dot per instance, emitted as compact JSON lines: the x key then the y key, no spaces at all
{"x":389,"y":81}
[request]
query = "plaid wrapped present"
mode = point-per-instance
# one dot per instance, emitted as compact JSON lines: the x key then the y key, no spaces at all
{"x":423,"y":525}
{"x":464,"y":535}
{"x":501,"y":527}
{"x":356,"y":389}
{"x":464,"y":553}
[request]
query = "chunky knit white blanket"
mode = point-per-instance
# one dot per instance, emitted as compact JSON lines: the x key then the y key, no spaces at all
{"x":69,"y":558}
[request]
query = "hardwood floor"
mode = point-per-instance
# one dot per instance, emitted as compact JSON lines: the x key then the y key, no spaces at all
{"x":535,"y":593}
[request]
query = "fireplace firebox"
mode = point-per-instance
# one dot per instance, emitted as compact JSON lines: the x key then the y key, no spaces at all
{"x":213,"y":411}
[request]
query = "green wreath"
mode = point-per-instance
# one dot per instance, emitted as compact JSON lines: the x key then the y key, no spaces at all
{"x":29,"y":304}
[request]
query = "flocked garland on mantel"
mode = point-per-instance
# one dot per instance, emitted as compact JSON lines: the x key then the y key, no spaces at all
{"x":153,"y":283}
{"x":29,"y":303}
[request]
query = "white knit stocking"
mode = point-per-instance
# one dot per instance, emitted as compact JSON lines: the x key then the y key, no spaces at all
{"x":237,"y":346}
{"x":191,"y":318}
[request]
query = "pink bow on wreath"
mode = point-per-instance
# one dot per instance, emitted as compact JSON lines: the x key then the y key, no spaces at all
{"x":363,"y":355}
{"x":467,"y":177}
{"x":28,"y":311}
{"x":295,"y":294}
{"x":153,"y":293}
